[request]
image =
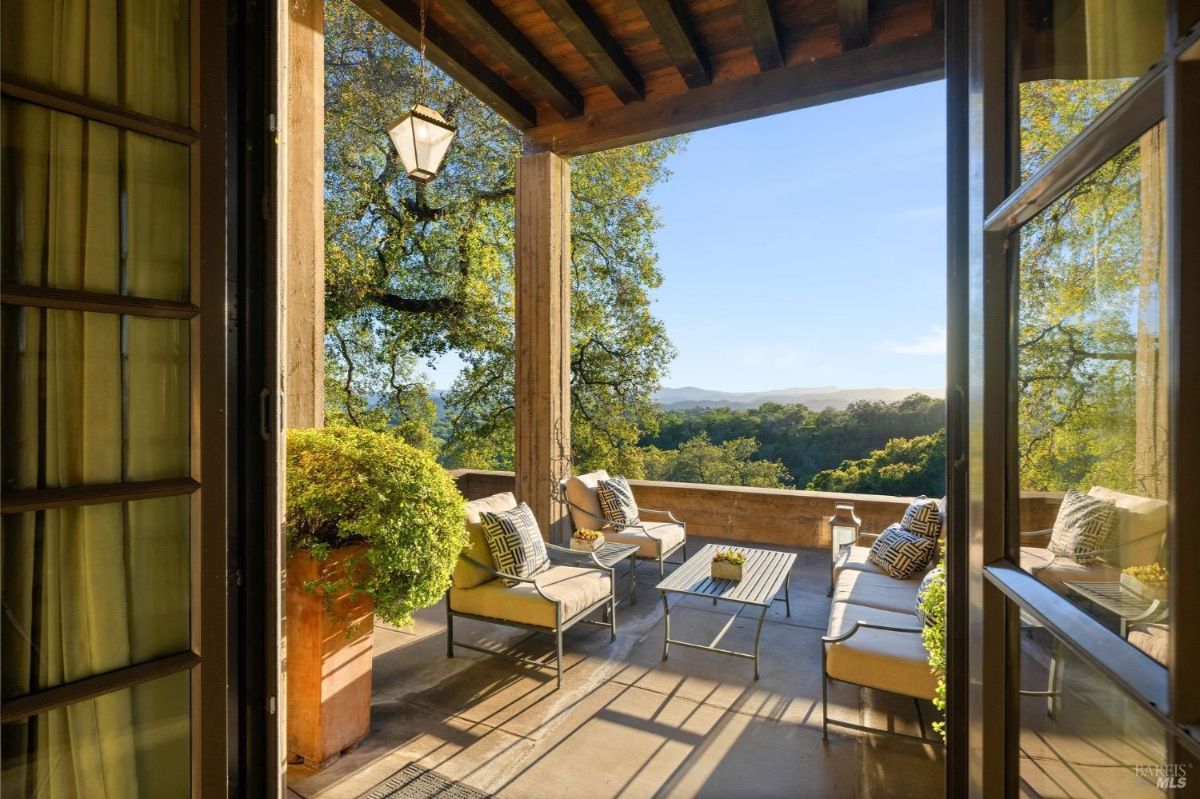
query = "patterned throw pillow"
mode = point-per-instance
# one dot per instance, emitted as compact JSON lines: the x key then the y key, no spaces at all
{"x":515,"y":541}
{"x":901,"y":554}
{"x":616,"y":501}
{"x":1084,"y":525}
{"x":923,"y":517}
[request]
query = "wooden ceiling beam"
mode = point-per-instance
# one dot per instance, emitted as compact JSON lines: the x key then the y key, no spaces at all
{"x":674,"y":29}
{"x":403,"y":18}
{"x":579,"y":23}
{"x":854,"y":24}
{"x":864,"y":71}
{"x":487,"y":25}
{"x":759,"y":19}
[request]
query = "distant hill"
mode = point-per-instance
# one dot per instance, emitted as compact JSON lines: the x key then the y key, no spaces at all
{"x":817,"y":398}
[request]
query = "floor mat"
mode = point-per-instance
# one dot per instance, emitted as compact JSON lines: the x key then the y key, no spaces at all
{"x":414,"y":782}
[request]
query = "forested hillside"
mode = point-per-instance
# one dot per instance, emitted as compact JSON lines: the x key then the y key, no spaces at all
{"x":800,"y":441}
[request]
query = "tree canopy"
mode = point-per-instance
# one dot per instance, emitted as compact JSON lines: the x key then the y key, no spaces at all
{"x":803,"y":440}
{"x":904,"y":467}
{"x":416,"y":272}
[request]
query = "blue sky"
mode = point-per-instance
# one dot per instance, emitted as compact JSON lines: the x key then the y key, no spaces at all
{"x":807,"y":249}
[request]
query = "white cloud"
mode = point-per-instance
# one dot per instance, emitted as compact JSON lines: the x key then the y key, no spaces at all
{"x":932,"y":343}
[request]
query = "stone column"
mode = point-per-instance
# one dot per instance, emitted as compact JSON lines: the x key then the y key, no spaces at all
{"x":304,"y":214}
{"x":543,"y":335}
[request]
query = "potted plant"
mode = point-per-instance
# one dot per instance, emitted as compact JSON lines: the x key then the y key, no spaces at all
{"x":587,"y":540}
{"x":931,"y":609}
{"x":374,"y":528}
{"x":727,"y":565}
{"x":1148,"y":582}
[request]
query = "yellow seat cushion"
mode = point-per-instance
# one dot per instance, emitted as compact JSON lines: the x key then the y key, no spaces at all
{"x":576,"y":588}
{"x":466,"y":575}
{"x":664,"y":536}
{"x":889,"y":661}
{"x":855,"y":559}
{"x":1052,"y":570}
{"x":877,"y":591}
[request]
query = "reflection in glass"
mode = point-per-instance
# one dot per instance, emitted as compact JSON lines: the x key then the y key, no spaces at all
{"x":1080,"y":735}
{"x":1092,"y":378}
{"x":91,"y":207}
{"x":94,"y":398}
{"x":1076,"y":58}
{"x":135,"y":742}
{"x":91,"y":589}
{"x":133,"y":54}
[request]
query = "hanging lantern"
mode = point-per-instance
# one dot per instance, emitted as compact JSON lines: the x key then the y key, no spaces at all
{"x":422,"y":137}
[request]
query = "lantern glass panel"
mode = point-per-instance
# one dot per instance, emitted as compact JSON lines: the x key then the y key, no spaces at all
{"x":840,"y":535}
{"x":422,"y":138}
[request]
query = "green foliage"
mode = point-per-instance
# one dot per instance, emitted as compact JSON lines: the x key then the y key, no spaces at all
{"x":728,"y":463}
{"x":416,"y":272}
{"x":933,"y":605}
{"x":806,"y":441}
{"x":904,"y":467}
{"x":348,"y":485}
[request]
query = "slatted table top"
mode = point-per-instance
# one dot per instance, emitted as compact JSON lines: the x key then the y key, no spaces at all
{"x":763,"y":574}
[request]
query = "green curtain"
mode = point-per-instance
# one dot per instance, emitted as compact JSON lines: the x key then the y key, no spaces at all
{"x":95,"y":398}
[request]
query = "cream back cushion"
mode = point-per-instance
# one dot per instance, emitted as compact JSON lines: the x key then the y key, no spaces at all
{"x":1141,"y":526}
{"x":581,"y":491}
{"x":468,"y":576}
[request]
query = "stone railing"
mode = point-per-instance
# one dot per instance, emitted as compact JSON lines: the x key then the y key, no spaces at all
{"x":762,"y":515}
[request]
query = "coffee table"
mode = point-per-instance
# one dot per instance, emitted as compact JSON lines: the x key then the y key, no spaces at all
{"x":764,"y":573}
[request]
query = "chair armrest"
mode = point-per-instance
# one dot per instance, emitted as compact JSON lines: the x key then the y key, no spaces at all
{"x":670,"y":516}
{"x":866,"y":539}
{"x":867,"y":625}
{"x":506,"y":576}
{"x":603,"y":521}
{"x":566,"y":553}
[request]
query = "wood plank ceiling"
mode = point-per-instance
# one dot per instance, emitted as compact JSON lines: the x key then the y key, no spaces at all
{"x":583,"y":75}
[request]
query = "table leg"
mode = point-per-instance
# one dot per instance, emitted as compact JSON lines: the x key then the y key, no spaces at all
{"x":758,"y":634}
{"x":633,"y":561}
{"x":666,"y":623}
{"x":787,"y":595}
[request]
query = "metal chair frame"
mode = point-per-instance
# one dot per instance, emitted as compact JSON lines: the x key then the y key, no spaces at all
{"x":826,"y":640}
{"x":561,"y":625}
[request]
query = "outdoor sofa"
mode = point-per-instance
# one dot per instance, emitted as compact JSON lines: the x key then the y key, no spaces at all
{"x":874,"y":635}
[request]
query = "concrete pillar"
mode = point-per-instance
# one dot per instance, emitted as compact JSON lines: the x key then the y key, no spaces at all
{"x":543,"y":343}
{"x":304,"y":213}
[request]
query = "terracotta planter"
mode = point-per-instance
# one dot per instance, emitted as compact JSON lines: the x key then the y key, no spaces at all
{"x":328,"y":671}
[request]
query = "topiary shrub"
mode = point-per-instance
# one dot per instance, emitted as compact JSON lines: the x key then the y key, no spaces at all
{"x":933,"y":606}
{"x":348,"y":485}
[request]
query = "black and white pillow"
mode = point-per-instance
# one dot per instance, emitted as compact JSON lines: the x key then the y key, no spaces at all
{"x":923,"y":517}
{"x":1083,"y":527}
{"x":616,"y":501}
{"x":902,"y":554}
{"x":515,"y":541}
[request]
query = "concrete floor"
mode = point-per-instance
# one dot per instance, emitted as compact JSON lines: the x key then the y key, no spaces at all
{"x":626,"y":723}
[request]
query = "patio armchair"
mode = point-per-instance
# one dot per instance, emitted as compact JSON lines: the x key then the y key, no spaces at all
{"x":1138,"y":540}
{"x":658,"y":535}
{"x":575,"y":586}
